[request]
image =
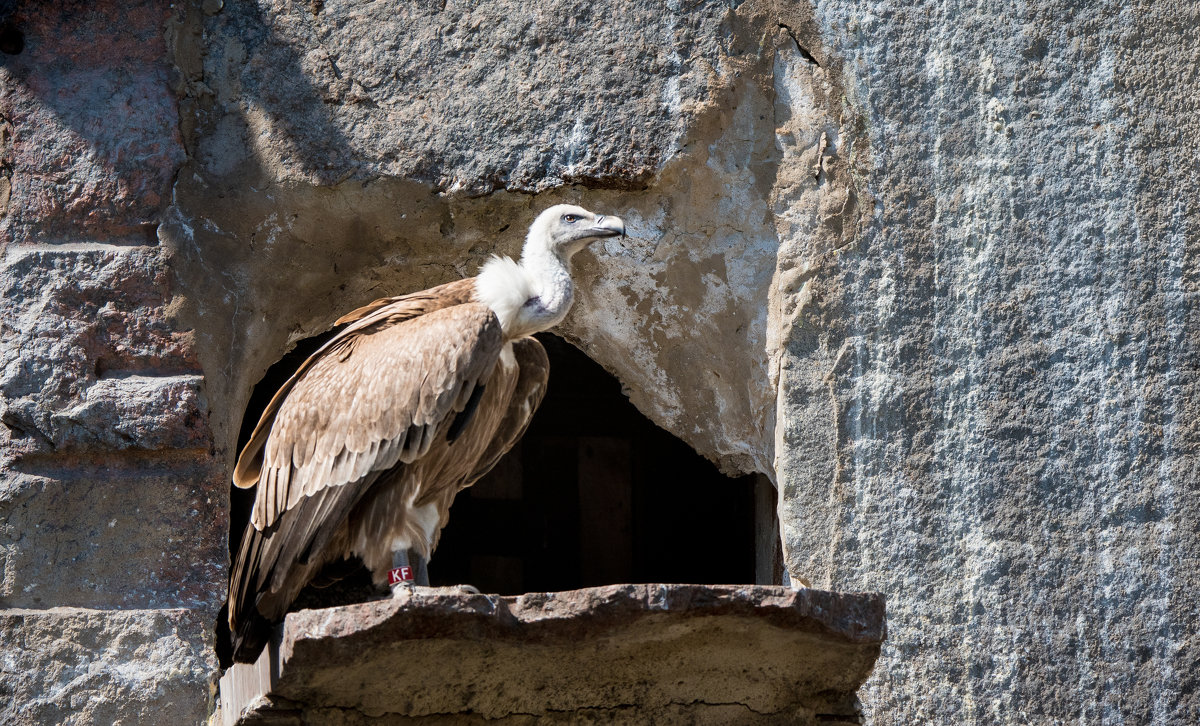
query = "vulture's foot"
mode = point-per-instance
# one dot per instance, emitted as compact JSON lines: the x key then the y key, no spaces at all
{"x":405,"y":589}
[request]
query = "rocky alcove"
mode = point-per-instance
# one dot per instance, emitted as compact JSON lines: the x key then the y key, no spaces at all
{"x":594,"y":499}
{"x":593,"y":494}
{"x":597,"y":494}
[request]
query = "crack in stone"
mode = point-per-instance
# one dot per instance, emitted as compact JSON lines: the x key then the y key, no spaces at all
{"x":804,"y":53}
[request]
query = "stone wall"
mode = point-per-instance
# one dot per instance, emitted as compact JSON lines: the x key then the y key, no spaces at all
{"x":1018,"y":367}
{"x":931,"y":267}
{"x":112,"y":505}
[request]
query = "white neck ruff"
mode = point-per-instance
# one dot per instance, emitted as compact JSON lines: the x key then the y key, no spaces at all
{"x":527,"y":296}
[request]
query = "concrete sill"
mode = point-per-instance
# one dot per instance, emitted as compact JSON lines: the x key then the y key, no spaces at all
{"x":615,"y":654}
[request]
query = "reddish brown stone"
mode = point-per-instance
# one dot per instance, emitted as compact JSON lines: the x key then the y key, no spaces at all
{"x":95,"y":130}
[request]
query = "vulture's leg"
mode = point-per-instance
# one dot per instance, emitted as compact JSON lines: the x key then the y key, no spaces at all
{"x":400,"y":577}
{"x":420,"y":569}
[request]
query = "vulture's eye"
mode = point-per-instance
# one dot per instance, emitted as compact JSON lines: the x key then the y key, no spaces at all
{"x":570,"y":218}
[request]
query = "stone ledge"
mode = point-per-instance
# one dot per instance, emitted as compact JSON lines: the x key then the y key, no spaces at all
{"x":621,"y":653}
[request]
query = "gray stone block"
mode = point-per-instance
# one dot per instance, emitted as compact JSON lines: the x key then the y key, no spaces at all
{"x":114,"y":533}
{"x":992,"y":415}
{"x":102,"y":667}
{"x":462,"y":96}
{"x":91,"y":358}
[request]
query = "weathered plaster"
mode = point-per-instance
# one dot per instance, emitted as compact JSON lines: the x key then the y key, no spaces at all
{"x":270,"y":246}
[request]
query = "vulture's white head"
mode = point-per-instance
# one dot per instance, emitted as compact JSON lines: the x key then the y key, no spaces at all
{"x":565,"y":229}
{"x":536,"y":293}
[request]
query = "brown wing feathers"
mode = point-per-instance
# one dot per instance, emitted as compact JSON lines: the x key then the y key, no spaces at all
{"x":376,"y":408}
{"x":398,"y":309}
{"x":371,"y":398}
{"x":534,"y":372}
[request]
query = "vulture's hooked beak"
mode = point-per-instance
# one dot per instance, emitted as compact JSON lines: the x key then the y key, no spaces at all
{"x":606,"y":226}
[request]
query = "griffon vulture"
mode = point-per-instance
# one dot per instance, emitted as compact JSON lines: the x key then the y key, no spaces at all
{"x":362,"y":451}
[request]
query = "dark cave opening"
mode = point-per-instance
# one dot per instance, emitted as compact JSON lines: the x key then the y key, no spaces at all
{"x":594,"y":494}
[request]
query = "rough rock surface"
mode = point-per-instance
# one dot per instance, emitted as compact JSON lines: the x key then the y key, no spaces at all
{"x":112,"y":532}
{"x":1015,"y":367}
{"x":679,"y":653}
{"x":92,"y":360}
{"x":75,"y":666}
{"x":89,"y":139}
